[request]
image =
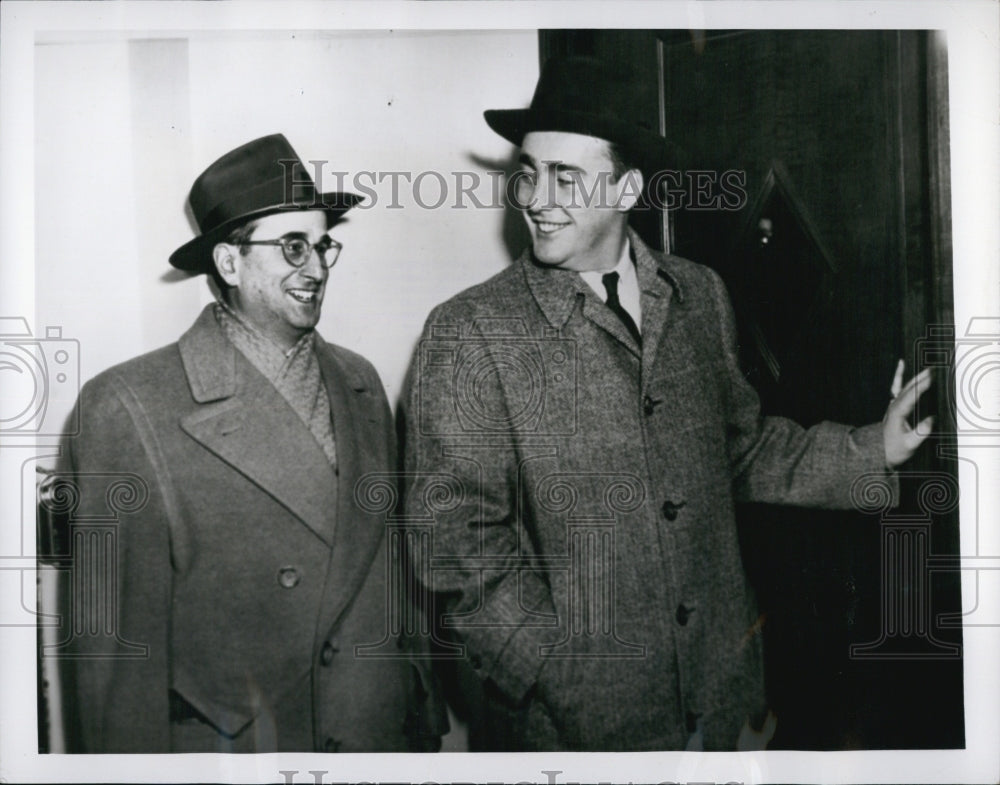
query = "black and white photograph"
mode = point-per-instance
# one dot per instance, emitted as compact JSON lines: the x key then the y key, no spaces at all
{"x":499,"y":391}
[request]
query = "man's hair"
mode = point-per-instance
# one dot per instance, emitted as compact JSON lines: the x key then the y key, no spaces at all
{"x":238,"y":237}
{"x":241,"y":235}
{"x":621,"y":160}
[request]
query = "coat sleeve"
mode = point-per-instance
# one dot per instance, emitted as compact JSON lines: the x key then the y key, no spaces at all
{"x":466,"y":480}
{"x":426,"y":714}
{"x":115,"y":620}
{"x":775,"y":460}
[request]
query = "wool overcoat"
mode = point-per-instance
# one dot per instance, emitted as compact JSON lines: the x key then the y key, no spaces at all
{"x":582,"y":492}
{"x":248,"y":576}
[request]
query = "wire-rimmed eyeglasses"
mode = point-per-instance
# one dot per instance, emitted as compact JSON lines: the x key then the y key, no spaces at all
{"x":297,"y":249}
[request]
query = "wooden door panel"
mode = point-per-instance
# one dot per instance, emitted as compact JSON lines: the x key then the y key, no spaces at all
{"x":836,"y":261}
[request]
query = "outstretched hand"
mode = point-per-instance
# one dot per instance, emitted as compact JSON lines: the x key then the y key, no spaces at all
{"x":901,"y":441}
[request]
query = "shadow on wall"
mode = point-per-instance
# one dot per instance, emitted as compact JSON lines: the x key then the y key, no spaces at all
{"x":513,"y":233}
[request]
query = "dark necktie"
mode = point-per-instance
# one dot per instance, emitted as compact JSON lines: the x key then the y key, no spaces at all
{"x":610,"y":281}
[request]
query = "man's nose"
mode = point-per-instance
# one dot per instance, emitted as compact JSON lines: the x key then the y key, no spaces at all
{"x":543,"y":195}
{"x":314,"y":268}
{"x":535,"y":193}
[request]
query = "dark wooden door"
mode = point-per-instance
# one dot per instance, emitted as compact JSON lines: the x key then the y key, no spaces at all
{"x":836,"y":257}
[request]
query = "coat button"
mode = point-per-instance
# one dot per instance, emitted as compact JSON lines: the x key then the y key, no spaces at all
{"x":289,"y":577}
{"x":670,"y":509}
{"x":331,"y":745}
{"x":648,"y":405}
{"x":326,"y":653}
{"x":683,"y":614}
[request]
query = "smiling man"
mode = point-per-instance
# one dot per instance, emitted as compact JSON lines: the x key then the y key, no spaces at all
{"x":572,"y":200}
{"x":586,"y":411}
{"x":247,"y":575}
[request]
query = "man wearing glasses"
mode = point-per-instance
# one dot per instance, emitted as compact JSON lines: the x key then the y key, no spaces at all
{"x":248,"y":578}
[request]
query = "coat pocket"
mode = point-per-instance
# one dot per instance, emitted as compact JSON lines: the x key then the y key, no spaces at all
{"x":229,"y":718}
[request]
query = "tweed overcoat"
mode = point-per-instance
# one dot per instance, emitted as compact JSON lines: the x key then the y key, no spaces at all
{"x":245,"y":565}
{"x":582,"y":493}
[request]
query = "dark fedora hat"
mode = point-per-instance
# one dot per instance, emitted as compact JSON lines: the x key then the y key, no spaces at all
{"x":583,"y":95}
{"x":260,"y":178}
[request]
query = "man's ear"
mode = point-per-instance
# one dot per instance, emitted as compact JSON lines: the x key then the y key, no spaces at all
{"x":226,"y":259}
{"x":629,"y":190}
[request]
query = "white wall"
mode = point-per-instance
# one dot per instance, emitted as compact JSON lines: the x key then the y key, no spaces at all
{"x":123,"y":126}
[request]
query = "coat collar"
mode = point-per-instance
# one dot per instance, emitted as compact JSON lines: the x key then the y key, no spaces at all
{"x":663,"y":297}
{"x":656,"y":269}
{"x":556,"y":291}
{"x":661,"y":287}
{"x":210,"y":360}
{"x":240,"y":413}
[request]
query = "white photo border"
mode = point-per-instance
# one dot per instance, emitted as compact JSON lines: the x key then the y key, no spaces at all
{"x":972,"y":29}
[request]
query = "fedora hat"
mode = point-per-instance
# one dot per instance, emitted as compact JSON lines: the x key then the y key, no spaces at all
{"x":246,"y":183}
{"x":583,"y":95}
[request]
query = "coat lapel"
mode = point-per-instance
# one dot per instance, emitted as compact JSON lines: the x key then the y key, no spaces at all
{"x":662,"y":299}
{"x":357,"y":533}
{"x":557,"y":292}
{"x":243,"y":419}
{"x":554,"y":290}
{"x":597,"y":311}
